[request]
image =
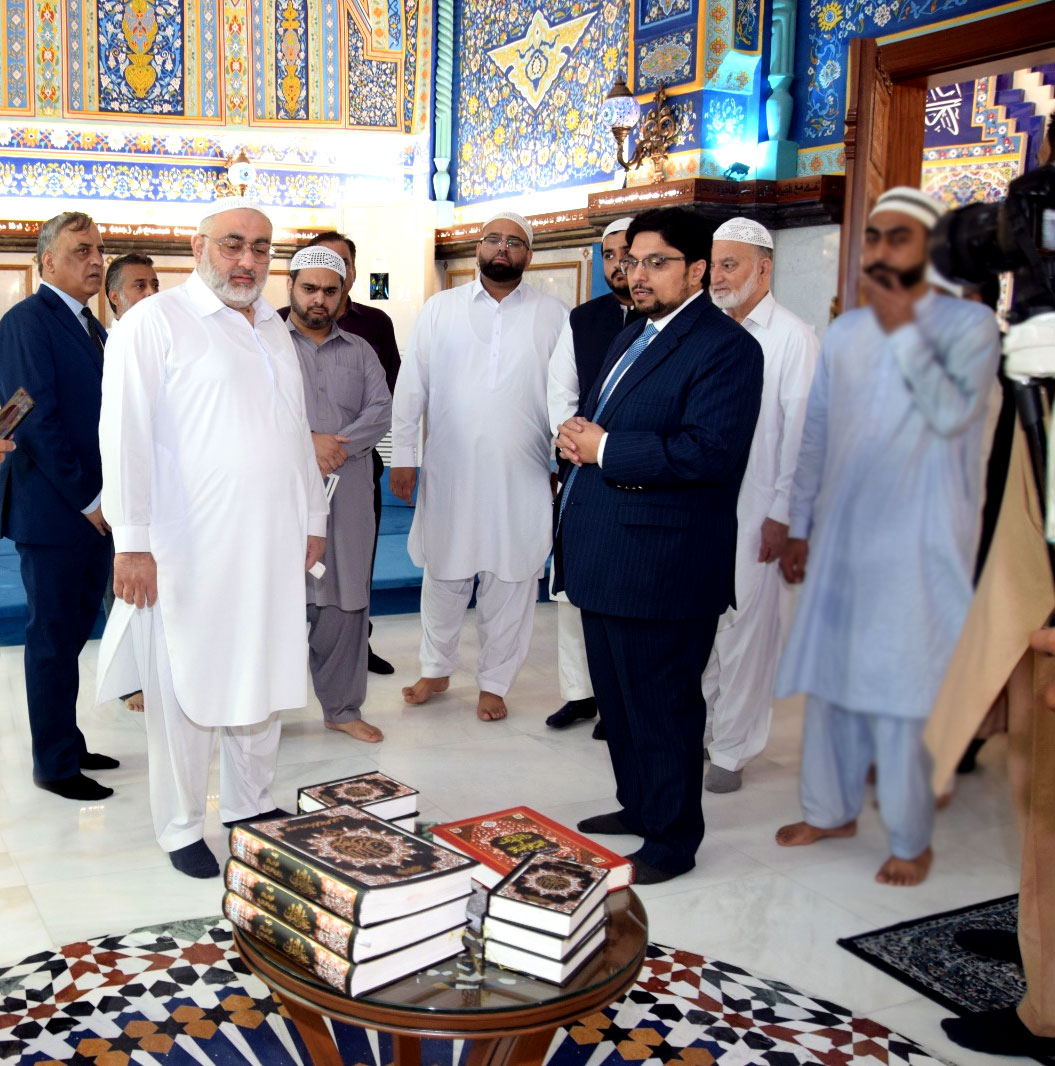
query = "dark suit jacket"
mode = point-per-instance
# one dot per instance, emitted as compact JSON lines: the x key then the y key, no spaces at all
{"x":594,"y":325}
{"x":653,"y":533}
{"x":56,"y":470}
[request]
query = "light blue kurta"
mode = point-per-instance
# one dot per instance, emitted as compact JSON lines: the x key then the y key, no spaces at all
{"x":888,"y":491}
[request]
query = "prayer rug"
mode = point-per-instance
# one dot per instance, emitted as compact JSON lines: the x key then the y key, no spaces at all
{"x":923,"y":955}
{"x":179,"y":995}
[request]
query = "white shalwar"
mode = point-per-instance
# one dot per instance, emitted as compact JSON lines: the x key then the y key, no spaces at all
{"x":888,"y":492}
{"x":208,"y":465}
{"x":562,"y":400}
{"x":738,"y":681}
{"x":475,"y":369}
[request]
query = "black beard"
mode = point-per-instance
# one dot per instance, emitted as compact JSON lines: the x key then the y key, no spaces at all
{"x":501,"y":271}
{"x":620,"y":288}
{"x":909,"y":279}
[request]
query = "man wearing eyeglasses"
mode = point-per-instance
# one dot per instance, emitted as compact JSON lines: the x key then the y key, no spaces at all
{"x":646,"y":530}
{"x":476,"y":370}
{"x":213,"y":490}
{"x":51,"y":344}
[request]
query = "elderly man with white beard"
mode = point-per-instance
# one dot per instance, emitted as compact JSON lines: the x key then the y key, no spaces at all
{"x":738,"y":681}
{"x":211,"y":485}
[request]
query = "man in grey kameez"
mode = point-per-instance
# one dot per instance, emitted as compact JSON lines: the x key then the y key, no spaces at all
{"x":887,"y":496}
{"x":349,"y":410}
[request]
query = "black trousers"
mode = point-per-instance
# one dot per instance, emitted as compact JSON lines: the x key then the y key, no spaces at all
{"x":647,"y":679}
{"x":64,"y":589}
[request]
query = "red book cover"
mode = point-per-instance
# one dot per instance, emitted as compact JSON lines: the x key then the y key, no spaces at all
{"x":500,"y":841}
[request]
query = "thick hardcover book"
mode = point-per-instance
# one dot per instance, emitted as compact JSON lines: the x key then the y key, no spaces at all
{"x":554,"y":895}
{"x":351,"y":978}
{"x":340,"y":936}
{"x":352,"y":863}
{"x":500,"y":841}
{"x":545,"y":944}
{"x":374,"y":792}
{"x":559,"y":972}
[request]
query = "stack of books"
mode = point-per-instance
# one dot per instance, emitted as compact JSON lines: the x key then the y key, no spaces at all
{"x":499,"y":842}
{"x":374,"y":792}
{"x":547,"y":918}
{"x":348,"y":896}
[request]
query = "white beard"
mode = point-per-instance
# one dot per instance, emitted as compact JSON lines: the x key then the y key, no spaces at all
{"x":732,"y":300}
{"x":233,"y":295}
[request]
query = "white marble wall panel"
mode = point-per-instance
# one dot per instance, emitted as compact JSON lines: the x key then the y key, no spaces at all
{"x":806,"y":272}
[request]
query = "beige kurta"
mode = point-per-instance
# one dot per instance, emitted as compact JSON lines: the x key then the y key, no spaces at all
{"x":1014,"y":597}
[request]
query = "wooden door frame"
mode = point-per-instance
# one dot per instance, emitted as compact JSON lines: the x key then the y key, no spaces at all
{"x":899,"y":72}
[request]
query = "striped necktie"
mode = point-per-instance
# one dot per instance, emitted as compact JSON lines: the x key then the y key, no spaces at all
{"x":614,"y":378}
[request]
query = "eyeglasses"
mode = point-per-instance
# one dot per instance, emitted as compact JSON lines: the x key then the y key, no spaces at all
{"x":495,"y":241}
{"x":649,"y":263}
{"x":234,"y":248}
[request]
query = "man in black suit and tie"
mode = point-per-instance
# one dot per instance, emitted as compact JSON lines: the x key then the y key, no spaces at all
{"x":646,"y":530}
{"x":52,"y":344}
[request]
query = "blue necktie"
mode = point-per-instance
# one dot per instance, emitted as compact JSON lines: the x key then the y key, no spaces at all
{"x":614,"y":378}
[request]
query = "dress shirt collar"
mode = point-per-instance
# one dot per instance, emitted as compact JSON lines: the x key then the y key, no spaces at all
{"x":74,"y":305}
{"x":660,"y":323}
{"x":762,"y":313}
{"x":206,"y":302}
{"x":478,"y":288}
{"x":336,"y":333}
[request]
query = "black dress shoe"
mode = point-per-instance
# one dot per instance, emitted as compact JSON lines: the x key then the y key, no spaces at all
{"x":77,"y":787}
{"x":376,"y":665}
{"x":573,"y":711}
{"x":195,"y":860}
{"x":998,"y":944}
{"x":92,"y":760}
{"x":598,"y":732}
{"x":264,"y":816}
{"x":603,"y":823}
{"x":997,"y":1032}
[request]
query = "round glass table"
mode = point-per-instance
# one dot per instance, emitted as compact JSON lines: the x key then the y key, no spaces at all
{"x":509,"y":1018}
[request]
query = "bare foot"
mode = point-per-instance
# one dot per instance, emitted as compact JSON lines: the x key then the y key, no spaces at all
{"x":134,"y":702}
{"x":905,"y":872}
{"x":943,"y":801}
{"x":788,"y":836}
{"x":491,"y":708}
{"x":424,"y":689}
{"x":359,"y":729}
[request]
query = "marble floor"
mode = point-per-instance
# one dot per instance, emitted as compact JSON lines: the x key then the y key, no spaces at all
{"x":68,"y":873}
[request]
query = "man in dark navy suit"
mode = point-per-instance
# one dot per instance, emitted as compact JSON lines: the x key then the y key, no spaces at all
{"x":52,"y":344}
{"x":646,"y":530}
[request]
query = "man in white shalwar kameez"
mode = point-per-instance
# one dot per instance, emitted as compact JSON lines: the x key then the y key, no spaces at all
{"x":887,"y":495}
{"x":738,"y":681}
{"x":211,"y":486}
{"x":476,"y":370}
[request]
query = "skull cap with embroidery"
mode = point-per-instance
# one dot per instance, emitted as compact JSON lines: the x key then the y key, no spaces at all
{"x":909,"y":201}
{"x":517,"y":220}
{"x":744,"y":231}
{"x":317,"y":256}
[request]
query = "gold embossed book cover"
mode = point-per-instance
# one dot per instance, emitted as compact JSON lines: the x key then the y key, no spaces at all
{"x":374,"y":792}
{"x":352,"y":863}
{"x":500,"y":841}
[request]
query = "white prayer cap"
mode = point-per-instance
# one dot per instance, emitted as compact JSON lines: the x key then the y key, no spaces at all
{"x":317,"y":256}
{"x":910,"y":201}
{"x":230,"y":203}
{"x":620,"y":225}
{"x":744,"y":231}
{"x":517,"y":220}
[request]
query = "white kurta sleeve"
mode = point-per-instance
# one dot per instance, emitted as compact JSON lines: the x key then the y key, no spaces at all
{"x":133,"y":375}
{"x":562,"y":382}
{"x":800,"y":361}
{"x":411,"y":397}
{"x":948,"y":372}
{"x":810,"y":464}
